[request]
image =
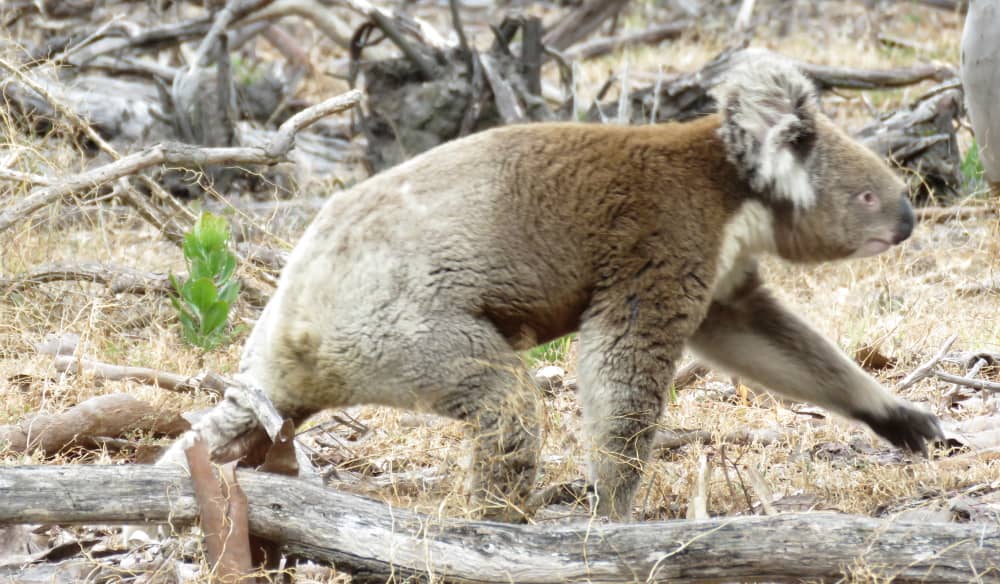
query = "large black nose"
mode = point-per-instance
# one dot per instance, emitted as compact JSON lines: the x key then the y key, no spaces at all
{"x":906,"y":221}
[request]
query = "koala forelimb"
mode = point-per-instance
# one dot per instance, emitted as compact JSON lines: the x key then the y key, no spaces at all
{"x":751,"y":335}
{"x":416,"y":288}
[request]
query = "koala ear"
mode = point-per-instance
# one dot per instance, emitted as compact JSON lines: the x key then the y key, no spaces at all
{"x":768,"y":127}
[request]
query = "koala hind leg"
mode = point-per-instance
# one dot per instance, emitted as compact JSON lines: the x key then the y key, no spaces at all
{"x":463,"y":368}
{"x":505,"y":431}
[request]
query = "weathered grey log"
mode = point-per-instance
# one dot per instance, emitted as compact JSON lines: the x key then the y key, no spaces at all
{"x":125,"y":111}
{"x":372,"y":540}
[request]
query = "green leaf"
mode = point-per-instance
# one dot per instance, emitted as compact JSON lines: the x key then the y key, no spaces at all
{"x":201,"y":293}
{"x":229,"y":291}
{"x":228,"y":268}
{"x":214,"y":318}
{"x":212,"y":232}
{"x":208,"y":293}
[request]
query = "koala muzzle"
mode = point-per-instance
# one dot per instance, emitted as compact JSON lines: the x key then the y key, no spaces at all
{"x":906,"y":221}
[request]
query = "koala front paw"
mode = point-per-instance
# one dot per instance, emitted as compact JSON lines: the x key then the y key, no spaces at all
{"x":906,"y":426}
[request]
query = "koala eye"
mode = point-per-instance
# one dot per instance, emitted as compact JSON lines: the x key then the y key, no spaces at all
{"x":868,"y":199}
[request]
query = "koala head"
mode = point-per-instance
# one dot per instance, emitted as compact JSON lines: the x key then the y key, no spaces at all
{"x":831,"y":197}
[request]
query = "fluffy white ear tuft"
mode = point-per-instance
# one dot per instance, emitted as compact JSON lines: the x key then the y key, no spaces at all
{"x":769,"y":126}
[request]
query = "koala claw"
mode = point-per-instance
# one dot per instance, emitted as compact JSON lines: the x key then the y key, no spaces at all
{"x":906,"y":426}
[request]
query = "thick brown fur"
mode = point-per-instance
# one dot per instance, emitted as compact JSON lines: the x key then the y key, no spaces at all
{"x":416,"y":288}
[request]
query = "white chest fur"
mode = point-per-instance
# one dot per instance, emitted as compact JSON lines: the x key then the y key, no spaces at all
{"x":748,"y":233}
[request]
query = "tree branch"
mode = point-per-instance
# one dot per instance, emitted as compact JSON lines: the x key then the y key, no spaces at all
{"x":178,"y":154}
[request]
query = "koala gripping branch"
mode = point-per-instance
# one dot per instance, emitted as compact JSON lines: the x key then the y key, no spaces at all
{"x":372,"y":540}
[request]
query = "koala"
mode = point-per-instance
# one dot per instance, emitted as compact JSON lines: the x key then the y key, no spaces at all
{"x":417,"y":288}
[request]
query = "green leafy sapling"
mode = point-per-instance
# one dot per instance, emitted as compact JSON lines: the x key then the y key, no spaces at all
{"x":204,"y":298}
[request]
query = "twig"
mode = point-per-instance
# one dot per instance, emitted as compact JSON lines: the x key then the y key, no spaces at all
{"x":926,"y":368}
{"x":83,"y":126}
{"x":321,"y":16}
{"x":284,"y":139}
{"x":456,"y":23}
{"x":602,"y":46}
{"x":666,"y":440}
{"x":580,"y":23}
{"x":385,"y":24}
{"x":119,"y":279}
{"x":763,"y":491}
{"x":167,"y":34}
{"x":624,"y":103}
{"x":990,"y":286}
{"x":954,"y":213}
{"x":687,"y":374}
{"x":950,"y":5}
{"x":531,"y":54}
{"x":179,"y":154}
{"x":210,"y":382}
{"x":222,"y":20}
{"x":827,"y":76}
{"x":744,"y":15}
{"x":979,"y":384}
{"x":91,"y":423}
{"x":950,"y":397}
{"x":24,"y":177}
{"x":698,"y":505}
{"x":61,"y":108}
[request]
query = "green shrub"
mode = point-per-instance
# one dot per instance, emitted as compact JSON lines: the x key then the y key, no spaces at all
{"x":203,"y":299}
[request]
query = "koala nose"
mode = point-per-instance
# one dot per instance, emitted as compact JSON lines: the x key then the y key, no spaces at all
{"x":906,"y":221}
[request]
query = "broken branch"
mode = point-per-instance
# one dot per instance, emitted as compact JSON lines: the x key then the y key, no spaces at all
{"x":119,"y":279}
{"x":979,"y":384}
{"x":603,"y":46}
{"x":88,"y":424}
{"x":211,"y":382}
{"x":927,"y":367}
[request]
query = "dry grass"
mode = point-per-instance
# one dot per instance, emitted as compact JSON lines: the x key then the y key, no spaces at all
{"x":904,"y":302}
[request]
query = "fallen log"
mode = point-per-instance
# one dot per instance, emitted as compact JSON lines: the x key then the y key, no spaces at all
{"x":373,"y":541}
